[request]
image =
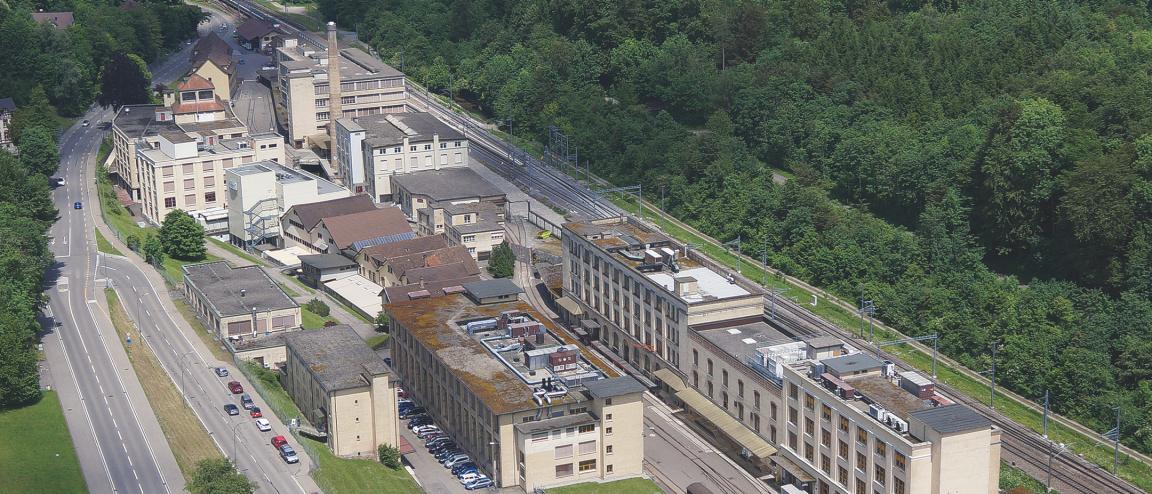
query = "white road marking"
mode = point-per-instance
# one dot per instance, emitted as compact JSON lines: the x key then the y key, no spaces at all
{"x":84,"y":406}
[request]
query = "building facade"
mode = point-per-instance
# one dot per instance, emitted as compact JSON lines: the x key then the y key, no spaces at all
{"x":368,"y":87}
{"x":260,"y":193}
{"x":372,"y":149}
{"x":239,"y":303}
{"x":342,"y":388}
{"x":558,"y":415}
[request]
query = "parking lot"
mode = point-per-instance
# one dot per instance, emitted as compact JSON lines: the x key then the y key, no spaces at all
{"x":433,"y":476}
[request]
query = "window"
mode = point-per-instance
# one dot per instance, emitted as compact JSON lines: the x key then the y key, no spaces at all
{"x":860,"y":487}
{"x":897,"y":486}
{"x":443,"y":145}
{"x":587,"y":428}
{"x":411,"y":148}
{"x":427,"y":147}
{"x":843,"y":424}
{"x":808,"y":452}
{"x":323,"y":115}
{"x":825,"y":463}
{"x":190,"y":199}
{"x":189,"y":183}
{"x":169,"y":186}
{"x":587,"y":447}
{"x":724,"y":399}
{"x":809,"y":426}
{"x":809,"y":401}
{"x":608,"y":449}
{"x":169,"y":171}
{"x":881,"y":475}
{"x":825,"y":412}
{"x":607,"y":468}
{"x":468,"y":238}
{"x":844,"y":450}
{"x":169,"y":202}
{"x":607,"y":431}
{"x":901,"y":461}
{"x":861,"y":461}
{"x":861,"y":435}
{"x":209,"y":181}
{"x":792,"y":391}
{"x":209,"y":197}
{"x":881,"y":449}
{"x":695,"y":357}
{"x":564,"y":451}
{"x":842,"y":475}
{"x":756,"y":399}
{"x":772,"y":433}
{"x":792,"y":414}
{"x":773,"y":411}
{"x":608,"y":417}
{"x":755,"y":422}
{"x":564,"y":470}
{"x":825,"y":437}
{"x":724,"y":377}
{"x":587,"y":465}
{"x":740,"y":388}
{"x":710,"y":367}
{"x":792,"y":440}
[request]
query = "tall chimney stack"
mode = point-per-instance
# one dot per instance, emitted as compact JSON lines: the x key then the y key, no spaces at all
{"x":334,"y":110}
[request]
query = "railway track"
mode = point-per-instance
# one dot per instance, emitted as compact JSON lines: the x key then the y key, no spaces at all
{"x":1070,"y":473}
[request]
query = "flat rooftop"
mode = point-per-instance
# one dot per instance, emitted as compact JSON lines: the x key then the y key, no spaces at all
{"x":741,"y":341}
{"x":447,"y":184}
{"x":893,"y":398}
{"x":336,"y":356}
{"x":390,"y":129}
{"x":236,"y":291}
{"x":486,"y":361}
{"x":662,"y":260}
{"x":286,"y":175}
{"x":137,"y":121}
{"x":355,"y":64}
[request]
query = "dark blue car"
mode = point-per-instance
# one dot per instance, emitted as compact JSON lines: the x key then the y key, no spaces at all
{"x":77,"y":205}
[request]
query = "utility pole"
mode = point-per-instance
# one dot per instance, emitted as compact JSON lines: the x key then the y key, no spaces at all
{"x":1046,"y":418}
{"x":1054,"y":451}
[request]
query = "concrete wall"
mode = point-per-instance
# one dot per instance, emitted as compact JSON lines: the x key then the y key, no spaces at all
{"x":479,"y":244}
{"x":411,"y":156}
{"x":269,"y":357}
{"x":753,"y":407}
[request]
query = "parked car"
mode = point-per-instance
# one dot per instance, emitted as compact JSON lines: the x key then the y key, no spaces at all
{"x":441,"y":446}
{"x":415,"y":424}
{"x":278,"y":441}
{"x":234,"y":386}
{"x":231,"y":409}
{"x":288,"y":454}
{"x":77,"y":205}
{"x":246,"y":401}
{"x":441,"y":456}
{"x":85,"y":122}
{"x":401,"y":392}
{"x":435,"y":435}
{"x":263,"y":425}
{"x":445,"y":448}
{"x":438,"y":441}
{"x":479,"y":484}
{"x":408,"y":412}
{"x":423,"y":430}
{"x":467,"y":466}
{"x":222,"y":372}
{"x":256,"y":413}
{"x":469,"y":476}
{"x":456,"y":460}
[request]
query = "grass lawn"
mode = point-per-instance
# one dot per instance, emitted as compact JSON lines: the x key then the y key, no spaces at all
{"x":268,"y":386}
{"x":626,"y":486}
{"x":291,"y":293}
{"x":237,"y":251}
{"x":313,"y":320}
{"x":103,"y":245}
{"x":189,"y":315}
{"x":1014,"y":478}
{"x":377,"y":341}
{"x":188,"y":439}
{"x":36,"y":454}
{"x":337,"y":475}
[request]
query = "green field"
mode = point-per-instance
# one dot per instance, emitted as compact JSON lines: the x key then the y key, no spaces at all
{"x":36,"y":454}
{"x":377,"y":341}
{"x":347,"y":476}
{"x":312,"y":320}
{"x":626,"y":486}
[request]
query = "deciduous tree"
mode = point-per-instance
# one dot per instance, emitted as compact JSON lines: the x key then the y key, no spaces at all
{"x":182,"y":236}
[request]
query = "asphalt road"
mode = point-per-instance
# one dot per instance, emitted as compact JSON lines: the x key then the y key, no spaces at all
{"x":115,"y":433}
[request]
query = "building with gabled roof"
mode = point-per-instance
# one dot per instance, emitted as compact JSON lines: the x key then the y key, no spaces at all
{"x":256,"y":34}
{"x":59,"y":20}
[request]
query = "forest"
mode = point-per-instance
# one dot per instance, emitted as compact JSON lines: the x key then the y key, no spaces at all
{"x":978,"y":168}
{"x":53,"y":74}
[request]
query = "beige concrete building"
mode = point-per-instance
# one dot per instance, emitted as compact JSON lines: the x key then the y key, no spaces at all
{"x":368,"y":87}
{"x":260,"y":193}
{"x":174,"y":156}
{"x":345,"y":233}
{"x":646,"y":291}
{"x":239,"y":304}
{"x":373,"y":260}
{"x":530,"y":404}
{"x":446,"y":186}
{"x":370,"y":150}
{"x":343,"y":388}
{"x":478,"y":226}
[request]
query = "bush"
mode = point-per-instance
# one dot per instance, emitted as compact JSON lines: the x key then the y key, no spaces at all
{"x":133,"y":242}
{"x":389,"y":456}
{"x":503,"y":261}
{"x":383,"y":322}
{"x":318,"y":307}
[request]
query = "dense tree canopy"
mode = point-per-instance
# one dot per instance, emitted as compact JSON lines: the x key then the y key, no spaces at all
{"x":980,"y":145}
{"x":182,"y":236}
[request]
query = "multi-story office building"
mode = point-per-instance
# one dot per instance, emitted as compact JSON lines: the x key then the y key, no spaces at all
{"x":647,"y":292}
{"x":370,"y":150}
{"x":174,"y":156}
{"x":531,"y":405}
{"x":368,"y":87}
{"x":259,"y":193}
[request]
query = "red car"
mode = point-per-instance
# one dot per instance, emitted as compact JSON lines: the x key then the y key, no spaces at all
{"x":278,"y":441}
{"x":256,"y":413}
{"x":235,"y":387}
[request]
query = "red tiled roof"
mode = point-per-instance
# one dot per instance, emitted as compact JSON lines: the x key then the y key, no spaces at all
{"x":194,"y":82}
{"x":416,"y":245}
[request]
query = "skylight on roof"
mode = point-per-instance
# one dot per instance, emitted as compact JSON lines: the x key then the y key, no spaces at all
{"x":733,"y":331}
{"x":749,"y":341}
